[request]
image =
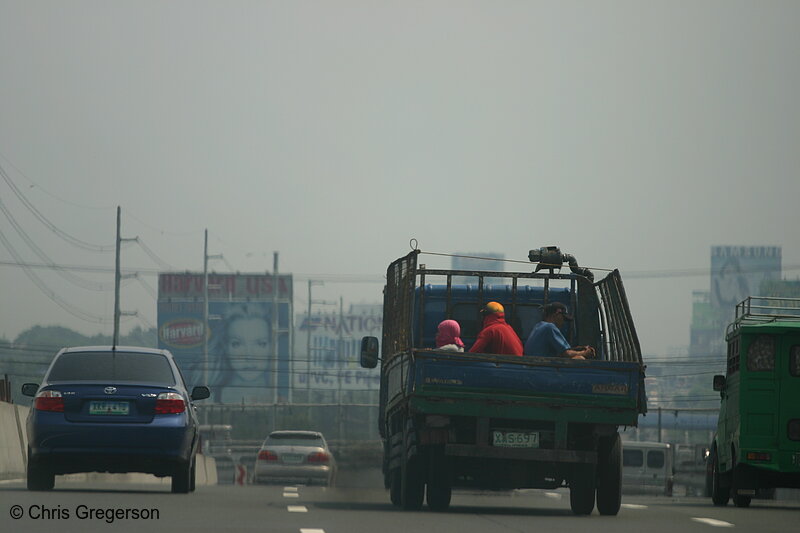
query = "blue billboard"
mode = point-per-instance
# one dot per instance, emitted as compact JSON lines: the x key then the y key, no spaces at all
{"x":243,"y":355}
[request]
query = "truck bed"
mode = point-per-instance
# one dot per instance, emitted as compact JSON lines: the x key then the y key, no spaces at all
{"x":540,"y":388}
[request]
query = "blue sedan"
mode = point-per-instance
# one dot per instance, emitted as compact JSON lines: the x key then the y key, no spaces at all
{"x":104,"y":409}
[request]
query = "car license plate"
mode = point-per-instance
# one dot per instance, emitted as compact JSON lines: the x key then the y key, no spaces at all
{"x":515,"y":439}
{"x":109,"y":408}
{"x":292,"y":458}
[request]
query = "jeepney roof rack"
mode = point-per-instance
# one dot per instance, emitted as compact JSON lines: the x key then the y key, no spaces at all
{"x":764,"y":310}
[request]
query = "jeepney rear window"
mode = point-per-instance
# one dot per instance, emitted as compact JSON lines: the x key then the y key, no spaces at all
{"x":633,"y":458}
{"x":655,"y":459}
{"x":794,"y":361}
{"x":761,"y":354}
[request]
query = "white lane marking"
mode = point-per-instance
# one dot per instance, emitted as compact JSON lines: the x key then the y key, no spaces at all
{"x":297,"y":509}
{"x":291,"y":495}
{"x":312,"y":530}
{"x":289,"y":489}
{"x":553,"y":495}
{"x":712,"y":522}
{"x":633,"y":506}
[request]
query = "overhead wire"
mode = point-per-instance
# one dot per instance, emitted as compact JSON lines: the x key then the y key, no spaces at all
{"x":83,"y":283}
{"x":73,"y":310}
{"x":48,"y":224}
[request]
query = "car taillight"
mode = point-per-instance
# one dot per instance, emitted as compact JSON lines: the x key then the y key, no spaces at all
{"x":318,"y":457}
{"x":49,"y":400}
{"x":266,"y":455}
{"x":170,"y":403}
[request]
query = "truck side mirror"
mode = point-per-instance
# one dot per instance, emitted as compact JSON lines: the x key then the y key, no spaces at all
{"x":30,"y":389}
{"x":369,"y":352}
{"x":719,"y":383}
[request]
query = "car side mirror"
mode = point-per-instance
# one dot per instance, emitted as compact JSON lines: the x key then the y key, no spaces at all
{"x":200,"y":392}
{"x":30,"y":389}
{"x":719,"y":383}
{"x":369,"y":352}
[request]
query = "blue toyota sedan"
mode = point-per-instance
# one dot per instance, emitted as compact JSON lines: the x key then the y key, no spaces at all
{"x":104,"y":409}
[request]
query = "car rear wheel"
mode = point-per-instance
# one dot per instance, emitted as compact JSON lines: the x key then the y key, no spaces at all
{"x":40,"y":477}
{"x":193,"y":476}
{"x":181,"y":478}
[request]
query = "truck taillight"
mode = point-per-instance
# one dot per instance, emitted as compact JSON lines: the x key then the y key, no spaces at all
{"x":318,"y":457}
{"x":266,"y":455}
{"x":170,"y":403}
{"x":49,"y":400}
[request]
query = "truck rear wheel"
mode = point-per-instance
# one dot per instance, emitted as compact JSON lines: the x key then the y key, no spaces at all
{"x":609,"y":475}
{"x":412,"y":484}
{"x":581,"y":489}
{"x":439,"y":490}
{"x":394,"y":487}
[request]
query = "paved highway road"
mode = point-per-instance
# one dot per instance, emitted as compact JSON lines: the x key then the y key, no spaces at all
{"x":358,"y":509}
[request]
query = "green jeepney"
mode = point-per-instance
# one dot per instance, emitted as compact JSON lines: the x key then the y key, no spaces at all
{"x":757,"y":444}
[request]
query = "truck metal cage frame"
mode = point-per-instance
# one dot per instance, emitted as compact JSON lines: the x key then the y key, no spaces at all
{"x":404,"y":276}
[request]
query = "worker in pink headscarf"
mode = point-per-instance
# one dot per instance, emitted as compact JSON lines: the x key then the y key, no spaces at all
{"x":448,"y":336}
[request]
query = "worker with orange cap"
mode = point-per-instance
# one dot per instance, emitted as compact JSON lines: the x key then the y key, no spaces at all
{"x":496,"y":337}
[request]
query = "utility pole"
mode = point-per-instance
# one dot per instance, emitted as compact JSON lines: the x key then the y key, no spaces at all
{"x":274,"y":377}
{"x":308,"y":339}
{"x":117,"y":280}
{"x":206,"y":257}
{"x":340,"y":356}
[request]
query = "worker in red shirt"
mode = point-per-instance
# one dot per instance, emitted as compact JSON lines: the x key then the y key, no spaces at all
{"x":496,"y":337}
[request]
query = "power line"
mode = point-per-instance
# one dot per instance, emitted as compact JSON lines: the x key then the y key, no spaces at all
{"x":75,"y":311}
{"x":49,"y":225}
{"x":86,"y":284}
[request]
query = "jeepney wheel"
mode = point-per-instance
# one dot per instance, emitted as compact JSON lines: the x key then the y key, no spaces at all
{"x":439,"y":490}
{"x":412,"y":484}
{"x":581,"y":489}
{"x":394,"y":487}
{"x":739,"y":500}
{"x":720,"y":493}
{"x":609,"y":475}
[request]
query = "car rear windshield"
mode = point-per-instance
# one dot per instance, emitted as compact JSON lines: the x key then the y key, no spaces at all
{"x":294,"y":439}
{"x":112,"y":367}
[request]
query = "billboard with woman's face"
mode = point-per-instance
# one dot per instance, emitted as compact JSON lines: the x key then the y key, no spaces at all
{"x":248,"y":335}
{"x":738,"y":271}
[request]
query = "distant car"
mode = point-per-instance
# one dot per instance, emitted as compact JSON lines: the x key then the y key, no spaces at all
{"x":118,"y":410}
{"x":295,"y":457}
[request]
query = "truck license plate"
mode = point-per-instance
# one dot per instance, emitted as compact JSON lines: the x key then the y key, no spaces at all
{"x":515,"y":439}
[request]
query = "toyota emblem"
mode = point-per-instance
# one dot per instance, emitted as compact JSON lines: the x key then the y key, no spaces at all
{"x":110,"y":390}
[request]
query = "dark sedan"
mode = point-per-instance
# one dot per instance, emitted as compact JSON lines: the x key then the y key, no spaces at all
{"x":101,"y":409}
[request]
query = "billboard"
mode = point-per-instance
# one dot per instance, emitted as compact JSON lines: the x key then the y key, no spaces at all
{"x":738,"y":272}
{"x":246,"y":358}
{"x":332,"y":343}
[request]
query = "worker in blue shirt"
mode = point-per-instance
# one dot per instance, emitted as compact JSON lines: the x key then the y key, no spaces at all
{"x":546,"y":339}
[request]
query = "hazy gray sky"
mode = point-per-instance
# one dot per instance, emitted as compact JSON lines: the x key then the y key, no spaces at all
{"x":632,"y":134}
